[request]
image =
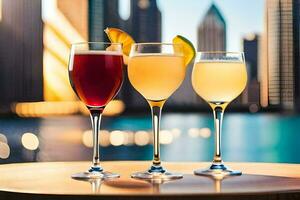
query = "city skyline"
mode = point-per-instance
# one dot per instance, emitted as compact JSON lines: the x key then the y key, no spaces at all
{"x":274,"y":49}
{"x":183,"y":17}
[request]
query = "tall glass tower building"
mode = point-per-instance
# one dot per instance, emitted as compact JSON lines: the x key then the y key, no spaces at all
{"x":281,"y":42}
{"x":212,"y":31}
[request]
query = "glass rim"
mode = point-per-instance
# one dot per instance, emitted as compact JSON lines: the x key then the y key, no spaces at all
{"x":218,"y":52}
{"x":105,"y":43}
{"x":156,"y":43}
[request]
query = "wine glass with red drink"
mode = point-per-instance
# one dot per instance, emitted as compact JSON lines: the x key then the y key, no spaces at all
{"x":96,"y":75}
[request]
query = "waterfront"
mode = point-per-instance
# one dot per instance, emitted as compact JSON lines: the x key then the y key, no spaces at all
{"x":185,"y":137}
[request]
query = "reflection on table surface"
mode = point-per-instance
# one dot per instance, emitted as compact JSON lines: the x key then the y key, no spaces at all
{"x":55,"y":178}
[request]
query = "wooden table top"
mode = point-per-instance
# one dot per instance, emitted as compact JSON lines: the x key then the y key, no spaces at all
{"x":51,"y":180}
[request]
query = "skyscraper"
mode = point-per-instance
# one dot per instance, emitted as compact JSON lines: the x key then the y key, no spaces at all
{"x":212,"y":31}
{"x":250,"y":46}
{"x":21,"y":51}
{"x":296,"y":41}
{"x":282,"y":46}
{"x":144,"y":23}
{"x":251,"y":50}
{"x":102,"y":14}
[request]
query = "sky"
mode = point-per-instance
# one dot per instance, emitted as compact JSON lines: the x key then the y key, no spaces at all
{"x":183,"y":16}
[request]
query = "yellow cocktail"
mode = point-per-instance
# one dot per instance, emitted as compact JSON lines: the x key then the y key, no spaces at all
{"x":219,"y":81}
{"x":219,"y":77}
{"x":156,"y":70}
{"x":156,"y":76}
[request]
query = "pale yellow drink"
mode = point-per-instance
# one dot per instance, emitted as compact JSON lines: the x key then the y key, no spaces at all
{"x":219,"y":81}
{"x":156,"y":76}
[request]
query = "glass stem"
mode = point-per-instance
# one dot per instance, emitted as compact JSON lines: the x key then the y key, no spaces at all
{"x":218,"y":118}
{"x":95,"y":115}
{"x":156,"y":113}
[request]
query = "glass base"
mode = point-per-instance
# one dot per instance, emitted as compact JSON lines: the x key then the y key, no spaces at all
{"x":217,"y":170}
{"x":156,"y":173}
{"x":95,"y":173}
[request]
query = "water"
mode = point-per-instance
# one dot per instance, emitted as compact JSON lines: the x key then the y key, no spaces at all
{"x":246,"y":137}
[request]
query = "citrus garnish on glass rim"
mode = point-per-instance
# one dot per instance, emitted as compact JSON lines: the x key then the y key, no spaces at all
{"x":189,"y":51}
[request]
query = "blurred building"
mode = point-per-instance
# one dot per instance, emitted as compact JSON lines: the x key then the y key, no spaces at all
{"x":296,"y":41}
{"x":212,"y":31}
{"x":281,"y":42}
{"x":21,"y":52}
{"x":263,"y":73}
{"x":144,"y":23}
{"x":102,"y":14}
{"x":65,"y":22}
{"x":251,"y":50}
{"x":250,"y":47}
{"x":35,"y":40}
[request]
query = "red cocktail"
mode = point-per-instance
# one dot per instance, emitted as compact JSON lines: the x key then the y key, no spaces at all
{"x":95,"y":72}
{"x":97,"y":76}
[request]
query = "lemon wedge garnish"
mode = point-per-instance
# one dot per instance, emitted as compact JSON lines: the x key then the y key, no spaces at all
{"x":116,"y":35}
{"x":189,"y":51}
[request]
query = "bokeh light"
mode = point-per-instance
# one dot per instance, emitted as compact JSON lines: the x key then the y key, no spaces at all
{"x":116,"y":138}
{"x":166,"y":137}
{"x":104,"y":138}
{"x":4,"y":150}
{"x":204,"y":132}
{"x":141,"y":138}
{"x":128,"y":138}
{"x":30,"y":141}
{"x":87,"y":138}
